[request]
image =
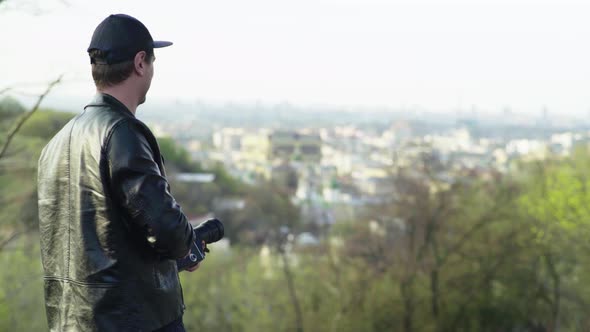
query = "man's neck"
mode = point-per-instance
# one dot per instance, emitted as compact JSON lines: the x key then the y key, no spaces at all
{"x":125,"y":98}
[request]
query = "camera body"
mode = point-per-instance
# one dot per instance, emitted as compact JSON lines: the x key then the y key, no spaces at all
{"x":207,"y":232}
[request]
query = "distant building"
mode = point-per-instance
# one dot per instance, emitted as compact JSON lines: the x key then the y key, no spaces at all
{"x":372,"y":178}
{"x":195,"y":177}
{"x":228,"y":139}
{"x":290,"y":145}
{"x":244,"y":152}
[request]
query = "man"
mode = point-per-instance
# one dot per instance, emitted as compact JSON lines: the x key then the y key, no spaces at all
{"x":110,"y":229}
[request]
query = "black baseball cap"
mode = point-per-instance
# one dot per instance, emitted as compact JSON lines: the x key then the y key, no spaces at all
{"x":121,"y":36}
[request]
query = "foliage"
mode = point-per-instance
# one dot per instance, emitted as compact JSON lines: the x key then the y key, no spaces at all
{"x":267,"y":209}
{"x":10,"y":109}
{"x":176,"y":157}
{"x":21,"y":295}
{"x":45,"y":123}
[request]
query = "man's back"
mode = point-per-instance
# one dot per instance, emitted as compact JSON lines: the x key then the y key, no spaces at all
{"x":110,"y":230}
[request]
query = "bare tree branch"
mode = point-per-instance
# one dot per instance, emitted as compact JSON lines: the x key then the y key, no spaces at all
{"x":7,"y":240}
{"x":25,"y":117}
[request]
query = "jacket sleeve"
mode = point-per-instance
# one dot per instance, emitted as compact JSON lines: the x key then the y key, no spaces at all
{"x":142,"y":193}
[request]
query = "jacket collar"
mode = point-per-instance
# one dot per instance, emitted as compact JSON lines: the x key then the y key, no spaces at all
{"x":103,"y":99}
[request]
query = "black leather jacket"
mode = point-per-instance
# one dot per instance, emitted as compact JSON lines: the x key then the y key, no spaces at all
{"x":110,"y":229}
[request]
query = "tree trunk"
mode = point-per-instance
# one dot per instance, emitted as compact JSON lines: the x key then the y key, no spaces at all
{"x":292,"y":293}
{"x":408,"y":299}
{"x":434,"y":290}
{"x":556,"y":292}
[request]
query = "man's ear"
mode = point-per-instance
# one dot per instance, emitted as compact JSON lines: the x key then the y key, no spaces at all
{"x":140,"y":62}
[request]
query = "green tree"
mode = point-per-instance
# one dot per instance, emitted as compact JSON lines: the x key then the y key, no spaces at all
{"x":176,"y":157}
{"x":557,"y":203}
{"x":267,"y":208}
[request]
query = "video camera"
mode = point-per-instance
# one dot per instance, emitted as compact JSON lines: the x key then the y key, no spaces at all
{"x":209,"y":231}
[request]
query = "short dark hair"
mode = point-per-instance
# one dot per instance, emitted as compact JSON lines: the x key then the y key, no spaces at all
{"x":106,"y":75}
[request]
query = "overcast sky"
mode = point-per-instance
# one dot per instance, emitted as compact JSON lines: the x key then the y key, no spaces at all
{"x":437,"y":54}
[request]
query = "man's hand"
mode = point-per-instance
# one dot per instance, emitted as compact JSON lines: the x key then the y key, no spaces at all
{"x":194,"y":268}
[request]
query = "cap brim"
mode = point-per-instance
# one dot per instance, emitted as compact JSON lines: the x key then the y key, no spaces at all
{"x":159,"y":44}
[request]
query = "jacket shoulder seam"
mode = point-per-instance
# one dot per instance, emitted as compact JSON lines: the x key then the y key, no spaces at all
{"x":112,"y":131}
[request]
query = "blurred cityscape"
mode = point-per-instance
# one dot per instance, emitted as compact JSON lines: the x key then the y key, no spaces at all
{"x":336,"y":161}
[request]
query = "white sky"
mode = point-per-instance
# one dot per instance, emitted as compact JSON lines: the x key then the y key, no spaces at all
{"x":439,"y":55}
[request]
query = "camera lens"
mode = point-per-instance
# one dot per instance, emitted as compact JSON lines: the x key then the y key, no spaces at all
{"x":210,"y":231}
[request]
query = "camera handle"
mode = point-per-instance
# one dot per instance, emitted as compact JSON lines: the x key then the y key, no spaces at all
{"x":196,"y":255}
